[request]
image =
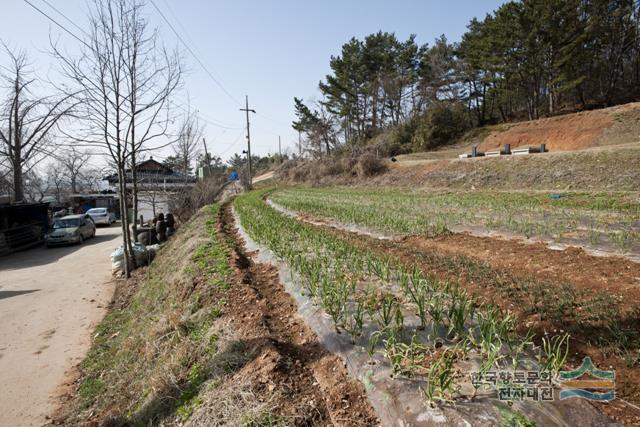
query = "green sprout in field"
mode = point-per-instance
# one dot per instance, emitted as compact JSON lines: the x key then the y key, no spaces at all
{"x":351,"y":282}
{"x":440,"y":385}
{"x":372,"y":343}
{"x":554,"y":353}
{"x":354,"y":323}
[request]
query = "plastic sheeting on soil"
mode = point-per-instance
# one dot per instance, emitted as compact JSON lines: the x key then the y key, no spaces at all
{"x":472,"y":230}
{"x":399,"y":401}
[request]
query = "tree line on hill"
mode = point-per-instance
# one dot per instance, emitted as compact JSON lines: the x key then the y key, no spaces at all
{"x":526,"y":60}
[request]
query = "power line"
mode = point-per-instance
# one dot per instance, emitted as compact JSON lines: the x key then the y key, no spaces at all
{"x":235,"y":141}
{"x":186,"y":33}
{"x":273,"y":120}
{"x":57,"y":23}
{"x":65,"y":17}
{"x":65,"y":29}
{"x":182,"y":27}
{"x":204,"y":119}
{"x":206,"y":70}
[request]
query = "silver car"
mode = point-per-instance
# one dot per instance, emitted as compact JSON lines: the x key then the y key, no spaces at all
{"x":70,"y":229}
{"x":101,"y":216}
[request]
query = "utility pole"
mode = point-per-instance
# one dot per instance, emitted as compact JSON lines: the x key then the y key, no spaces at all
{"x":246,"y":109}
{"x":279,"y":149}
{"x":206,"y":155}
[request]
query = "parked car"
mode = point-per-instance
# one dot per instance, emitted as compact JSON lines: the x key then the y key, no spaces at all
{"x":70,"y":229}
{"x":102,"y":216}
{"x":60,"y":213}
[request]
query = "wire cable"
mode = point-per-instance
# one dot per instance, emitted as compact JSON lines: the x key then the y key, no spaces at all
{"x":206,"y":70}
{"x":235,"y":141}
{"x":203,"y":118}
{"x":57,"y":23}
{"x":69,"y":20}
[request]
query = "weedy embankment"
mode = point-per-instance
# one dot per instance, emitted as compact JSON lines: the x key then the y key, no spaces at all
{"x":194,"y":340}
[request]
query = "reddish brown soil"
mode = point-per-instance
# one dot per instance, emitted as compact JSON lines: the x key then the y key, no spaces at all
{"x":563,"y":133}
{"x":615,"y":276}
{"x":500,"y":264}
{"x":577,"y":131}
{"x":291,"y":356}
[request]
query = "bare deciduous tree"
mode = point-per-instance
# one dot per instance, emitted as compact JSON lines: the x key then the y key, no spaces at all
{"x":57,"y":180}
{"x":90,"y":180}
{"x":74,"y":160}
{"x":153,"y":74}
{"x":35,"y":186}
{"x":26,"y":120}
{"x":186,"y":146}
{"x":124,"y":80}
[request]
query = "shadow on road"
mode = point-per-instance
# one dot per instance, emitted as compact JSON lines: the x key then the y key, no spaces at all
{"x":41,"y":255}
{"x":10,"y":294}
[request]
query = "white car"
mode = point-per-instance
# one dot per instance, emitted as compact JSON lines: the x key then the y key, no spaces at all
{"x":101,"y":216}
{"x":70,"y":229}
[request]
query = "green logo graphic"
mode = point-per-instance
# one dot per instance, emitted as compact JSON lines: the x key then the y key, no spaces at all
{"x":583,"y":388}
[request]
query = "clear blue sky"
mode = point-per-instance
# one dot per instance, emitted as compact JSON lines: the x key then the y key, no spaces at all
{"x":269,"y":50}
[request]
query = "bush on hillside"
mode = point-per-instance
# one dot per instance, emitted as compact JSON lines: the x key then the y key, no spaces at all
{"x":363,"y":164}
{"x":183,"y":204}
{"x":444,"y":123}
{"x":369,"y":165}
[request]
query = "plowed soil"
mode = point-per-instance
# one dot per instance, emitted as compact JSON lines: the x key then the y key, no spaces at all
{"x":618,"y":277}
{"x":320,"y":391}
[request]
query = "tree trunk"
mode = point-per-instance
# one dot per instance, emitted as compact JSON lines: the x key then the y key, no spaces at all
{"x":18,"y":184}
{"x":134,"y":187}
{"x":123,"y":221}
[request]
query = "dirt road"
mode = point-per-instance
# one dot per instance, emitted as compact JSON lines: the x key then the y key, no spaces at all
{"x":263,"y":177}
{"x":50,"y":302}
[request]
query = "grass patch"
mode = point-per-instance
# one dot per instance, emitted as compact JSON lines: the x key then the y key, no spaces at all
{"x":591,"y":218}
{"x":153,"y":353}
{"x":89,"y":390}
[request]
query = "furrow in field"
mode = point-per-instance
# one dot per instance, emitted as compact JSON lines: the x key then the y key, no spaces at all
{"x":353,"y":278}
{"x":592,"y":298}
{"x":602,"y":224}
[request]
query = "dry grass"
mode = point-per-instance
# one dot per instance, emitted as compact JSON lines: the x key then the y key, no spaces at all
{"x":234,"y":403}
{"x":152,"y":353}
{"x":336,"y":167}
{"x":185,"y":204}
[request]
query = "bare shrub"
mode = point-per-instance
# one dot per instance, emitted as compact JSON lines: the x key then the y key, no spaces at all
{"x":369,"y":165}
{"x":184,"y":204}
{"x":361,"y":164}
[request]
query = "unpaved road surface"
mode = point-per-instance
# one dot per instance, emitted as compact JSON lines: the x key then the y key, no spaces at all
{"x":50,"y":302}
{"x":263,"y":177}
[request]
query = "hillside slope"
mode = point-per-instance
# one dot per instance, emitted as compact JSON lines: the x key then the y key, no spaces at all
{"x":579,"y":170}
{"x":578,"y":131}
{"x":610,"y":128}
{"x":592,"y":150}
